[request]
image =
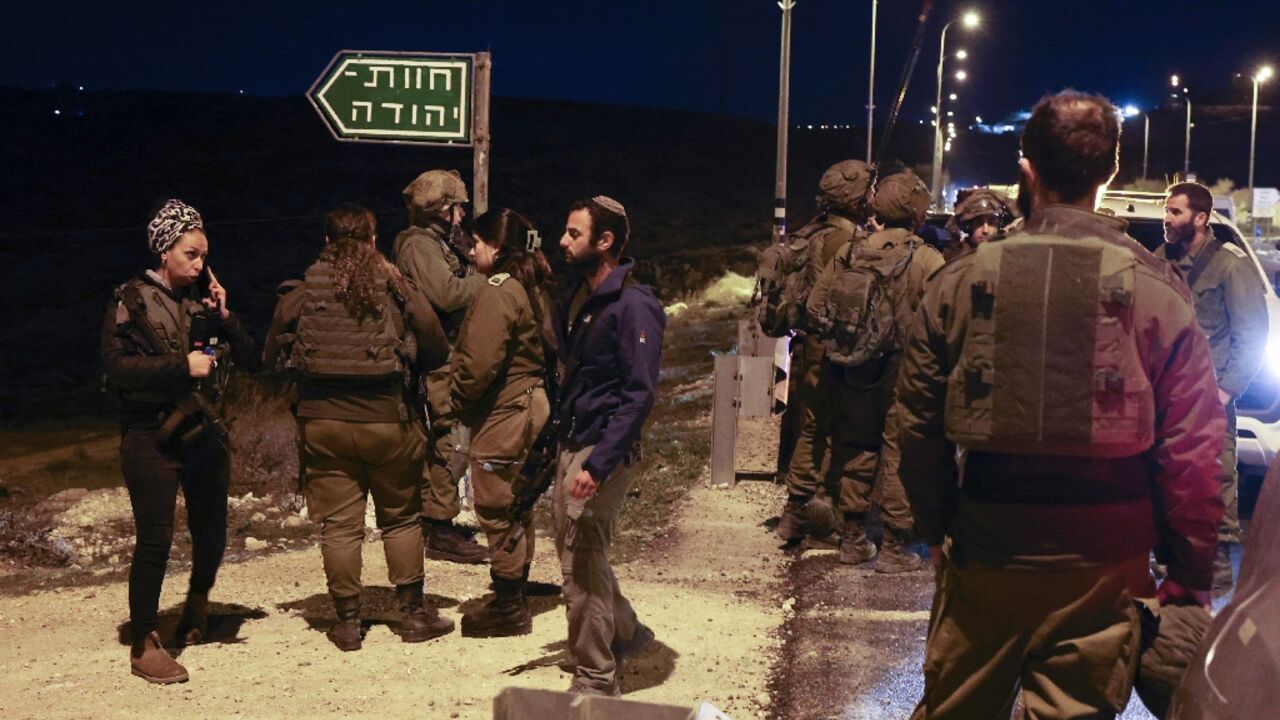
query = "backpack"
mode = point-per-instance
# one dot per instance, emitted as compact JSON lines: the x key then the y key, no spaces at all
{"x":330,"y":344}
{"x":1049,"y":364}
{"x":856,"y":319}
{"x":786,"y":273}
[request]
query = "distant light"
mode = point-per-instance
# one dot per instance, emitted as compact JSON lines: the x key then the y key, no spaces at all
{"x":950,"y":114}
{"x":961,"y":75}
{"x":961,"y":54}
{"x":1130,"y":110}
{"x":978,"y":119}
{"x":932,"y":123}
{"x":933,"y":109}
{"x":80,"y":88}
{"x":810,"y":127}
{"x":1173,"y":81}
{"x":241,"y":92}
{"x":1264,"y":74}
{"x":57,"y":112}
{"x":952,"y":96}
{"x":971,"y":19}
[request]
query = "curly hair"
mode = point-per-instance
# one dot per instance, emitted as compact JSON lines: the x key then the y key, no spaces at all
{"x":360,"y":272}
{"x":509,"y":232}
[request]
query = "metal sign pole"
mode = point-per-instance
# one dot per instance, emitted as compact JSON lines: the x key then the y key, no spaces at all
{"x":784,"y":93}
{"x":871,"y":81}
{"x":480,"y":134}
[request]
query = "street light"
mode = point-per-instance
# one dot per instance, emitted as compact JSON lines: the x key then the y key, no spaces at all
{"x":1263,"y":75}
{"x":1186,"y":151}
{"x":962,"y":75}
{"x":962,"y":54}
{"x":969,"y":20}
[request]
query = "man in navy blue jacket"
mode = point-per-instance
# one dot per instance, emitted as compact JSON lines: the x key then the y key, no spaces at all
{"x":610,"y":343}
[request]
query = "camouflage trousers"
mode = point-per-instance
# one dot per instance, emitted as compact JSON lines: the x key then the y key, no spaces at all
{"x":1229,"y":528}
{"x":345,"y":463}
{"x":498,"y":447}
{"x":1069,"y":638}
{"x":439,"y":486}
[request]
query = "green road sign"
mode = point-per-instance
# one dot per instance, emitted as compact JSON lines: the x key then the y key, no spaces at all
{"x":397,"y":97}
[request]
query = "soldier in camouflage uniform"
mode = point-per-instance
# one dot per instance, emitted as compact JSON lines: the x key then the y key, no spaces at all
{"x":982,"y":214}
{"x":497,"y":388}
{"x":864,"y":428}
{"x":356,"y":333}
{"x":1058,"y":418}
{"x":842,"y":198}
{"x":1231,"y":308}
{"x":429,"y":252}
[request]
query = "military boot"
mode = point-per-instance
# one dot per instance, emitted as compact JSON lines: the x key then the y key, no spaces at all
{"x":193,"y":628}
{"x":855,"y":547}
{"x":150,"y":661}
{"x":446,"y":541}
{"x":1223,"y":572}
{"x":421,"y":622}
{"x":792,"y":521}
{"x":345,"y":633}
{"x":894,"y":556}
{"x":506,"y":615}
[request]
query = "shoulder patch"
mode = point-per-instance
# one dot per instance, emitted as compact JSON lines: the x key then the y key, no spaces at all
{"x":1234,"y":249}
{"x":498,"y":279}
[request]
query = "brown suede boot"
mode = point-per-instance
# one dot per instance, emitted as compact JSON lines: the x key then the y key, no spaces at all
{"x":421,"y":622}
{"x":792,"y":520}
{"x":855,"y":547}
{"x":150,"y":661}
{"x":894,"y":555}
{"x":193,"y":628}
{"x":346,"y":632}
{"x":443,"y":540}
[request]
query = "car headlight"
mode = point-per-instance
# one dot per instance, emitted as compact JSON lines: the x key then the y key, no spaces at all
{"x":1272,"y":360}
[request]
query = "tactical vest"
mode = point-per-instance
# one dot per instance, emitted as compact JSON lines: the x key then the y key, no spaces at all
{"x":1050,"y":364}
{"x":857,"y":320}
{"x":331,"y":344}
{"x":168,"y":324}
{"x":785,"y":276}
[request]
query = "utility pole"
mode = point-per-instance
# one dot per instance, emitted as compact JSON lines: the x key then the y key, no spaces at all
{"x":1146,"y":141}
{"x":1186,"y":152}
{"x":784,"y":93}
{"x":871,"y":80}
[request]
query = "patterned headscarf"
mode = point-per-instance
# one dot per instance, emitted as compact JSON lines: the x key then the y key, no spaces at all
{"x":174,"y":219}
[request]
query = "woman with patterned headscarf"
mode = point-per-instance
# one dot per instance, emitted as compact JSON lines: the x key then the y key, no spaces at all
{"x":166,"y":343}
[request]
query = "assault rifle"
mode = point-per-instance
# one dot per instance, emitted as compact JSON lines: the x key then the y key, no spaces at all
{"x":539,"y":469}
{"x":195,"y":413}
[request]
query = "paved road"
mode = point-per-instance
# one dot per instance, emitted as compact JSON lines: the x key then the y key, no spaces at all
{"x":854,"y":643}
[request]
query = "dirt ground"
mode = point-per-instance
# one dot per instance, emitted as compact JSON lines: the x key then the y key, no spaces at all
{"x":709,"y":589}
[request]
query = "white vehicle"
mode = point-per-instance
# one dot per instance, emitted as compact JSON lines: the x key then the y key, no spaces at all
{"x":1258,"y":409}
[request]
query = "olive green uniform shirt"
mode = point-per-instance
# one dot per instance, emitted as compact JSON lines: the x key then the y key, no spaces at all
{"x":1231,"y":308}
{"x":424,"y":255}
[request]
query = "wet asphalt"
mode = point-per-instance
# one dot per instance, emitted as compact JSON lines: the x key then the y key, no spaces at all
{"x":853,"y":643}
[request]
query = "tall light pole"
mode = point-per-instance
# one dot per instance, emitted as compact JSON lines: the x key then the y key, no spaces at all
{"x":1186,"y":148}
{"x":970,"y":20}
{"x":784,"y":98}
{"x":1263,"y":74}
{"x":1146,"y":141}
{"x":871,"y":80}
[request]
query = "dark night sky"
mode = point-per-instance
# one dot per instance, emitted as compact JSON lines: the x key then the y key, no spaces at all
{"x":707,"y":55}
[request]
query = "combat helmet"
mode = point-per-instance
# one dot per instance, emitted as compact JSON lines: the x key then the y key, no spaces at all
{"x":434,"y":190}
{"x":901,"y":199}
{"x":844,"y":186}
{"x":979,"y":202}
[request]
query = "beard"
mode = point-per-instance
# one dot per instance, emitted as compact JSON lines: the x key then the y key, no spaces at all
{"x":1179,"y":234}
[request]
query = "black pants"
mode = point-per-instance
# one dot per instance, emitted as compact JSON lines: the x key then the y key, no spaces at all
{"x":152,"y":474}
